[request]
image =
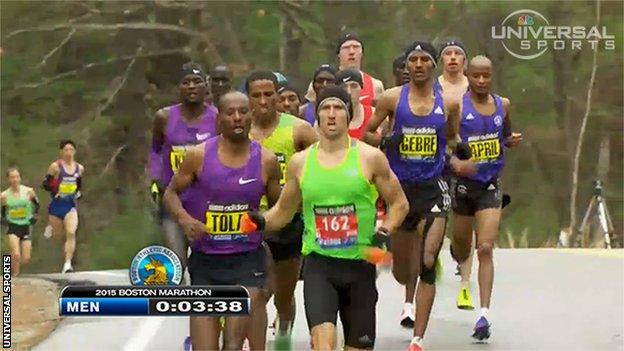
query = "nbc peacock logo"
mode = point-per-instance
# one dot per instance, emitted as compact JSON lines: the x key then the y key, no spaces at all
{"x":525,"y":20}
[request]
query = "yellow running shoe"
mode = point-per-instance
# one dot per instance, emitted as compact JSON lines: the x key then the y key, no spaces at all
{"x":439,"y":269}
{"x":464,"y":301}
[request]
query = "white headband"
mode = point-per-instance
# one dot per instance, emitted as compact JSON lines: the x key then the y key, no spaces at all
{"x":455,"y":47}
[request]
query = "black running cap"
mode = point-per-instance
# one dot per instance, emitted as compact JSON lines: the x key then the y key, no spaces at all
{"x":349,"y":75}
{"x":192,"y":68}
{"x":345,"y":37}
{"x":452,"y":43}
{"x":324,"y":68}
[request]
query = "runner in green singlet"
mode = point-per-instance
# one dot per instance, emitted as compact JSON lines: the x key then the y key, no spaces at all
{"x":19,"y":211}
{"x":283,"y":134}
{"x":337,"y":180}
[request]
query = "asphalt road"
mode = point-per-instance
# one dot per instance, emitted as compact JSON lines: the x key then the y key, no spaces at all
{"x":544,"y":299}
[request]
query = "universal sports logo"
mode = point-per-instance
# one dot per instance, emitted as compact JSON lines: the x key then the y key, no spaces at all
{"x":526,"y":34}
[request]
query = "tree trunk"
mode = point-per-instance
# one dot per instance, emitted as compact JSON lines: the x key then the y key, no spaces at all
{"x":579,"y":145}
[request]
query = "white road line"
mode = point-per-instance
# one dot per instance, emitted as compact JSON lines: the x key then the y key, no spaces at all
{"x":148,"y":328}
{"x":115,"y":274}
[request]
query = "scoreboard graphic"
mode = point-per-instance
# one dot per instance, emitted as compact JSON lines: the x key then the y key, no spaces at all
{"x":154,"y":300}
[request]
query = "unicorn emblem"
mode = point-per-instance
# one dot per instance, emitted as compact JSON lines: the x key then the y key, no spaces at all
{"x":159,"y":275}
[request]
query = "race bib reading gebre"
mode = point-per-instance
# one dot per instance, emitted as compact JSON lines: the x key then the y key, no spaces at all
{"x":423,"y":145}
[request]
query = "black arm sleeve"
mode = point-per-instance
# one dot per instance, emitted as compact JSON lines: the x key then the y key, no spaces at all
{"x":47,"y":182}
{"x":506,"y":128}
{"x":36,"y":205}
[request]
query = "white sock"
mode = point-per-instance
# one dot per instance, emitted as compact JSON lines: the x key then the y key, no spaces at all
{"x":484,"y":312}
{"x":465,"y":284}
{"x":417,"y":340}
{"x":408,"y":306}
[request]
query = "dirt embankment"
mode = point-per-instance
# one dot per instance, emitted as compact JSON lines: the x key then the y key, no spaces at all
{"x":34,"y":311}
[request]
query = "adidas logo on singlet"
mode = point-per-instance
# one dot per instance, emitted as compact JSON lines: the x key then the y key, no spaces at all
{"x":438,"y":111}
{"x":470,"y":116}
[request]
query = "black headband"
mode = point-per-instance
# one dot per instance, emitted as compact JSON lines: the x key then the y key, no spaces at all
{"x":335,"y":92}
{"x":194,"y":69}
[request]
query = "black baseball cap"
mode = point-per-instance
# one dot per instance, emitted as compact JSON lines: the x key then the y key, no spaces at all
{"x":347,"y":75}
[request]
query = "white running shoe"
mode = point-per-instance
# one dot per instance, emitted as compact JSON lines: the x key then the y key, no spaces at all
{"x":47,"y":233}
{"x":407,"y":316}
{"x":67,"y":267}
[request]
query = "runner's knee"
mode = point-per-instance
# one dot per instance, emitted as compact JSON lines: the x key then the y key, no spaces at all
{"x":428,"y":270}
{"x":25,"y":258}
{"x":485,"y":250}
{"x":428,"y":260}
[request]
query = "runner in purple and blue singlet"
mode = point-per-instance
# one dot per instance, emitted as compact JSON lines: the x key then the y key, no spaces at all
{"x":222,"y":181}
{"x":176,"y":129}
{"x":324,"y":75}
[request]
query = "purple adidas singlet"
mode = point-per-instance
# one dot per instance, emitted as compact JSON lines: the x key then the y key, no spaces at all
{"x":421,"y":153}
{"x":309,"y":113}
{"x":68,"y":182}
{"x":180,"y":135}
{"x":220,"y":197}
{"x":484,"y":135}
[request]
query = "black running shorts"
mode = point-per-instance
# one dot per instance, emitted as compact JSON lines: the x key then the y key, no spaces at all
{"x":287,"y":243}
{"x":332,"y":286}
{"x":426,"y":199}
{"x":21,"y":231}
{"x":471,"y":196}
{"x":247,"y":269}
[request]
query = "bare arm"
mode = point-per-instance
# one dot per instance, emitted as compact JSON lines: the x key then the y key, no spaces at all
{"x":452,"y":124}
{"x":53,"y":169}
{"x":511,"y":139}
{"x":304,"y":135}
{"x":390,"y":190}
{"x":378,"y":88}
{"x":282,"y":213}
{"x":384,"y":109}
{"x":461,"y":168}
{"x":189,"y":169}
{"x":271,"y":169}
{"x":158,"y":138}
{"x":32,"y":196}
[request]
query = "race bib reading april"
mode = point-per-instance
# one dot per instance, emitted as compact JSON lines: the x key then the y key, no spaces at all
{"x":484,"y":150}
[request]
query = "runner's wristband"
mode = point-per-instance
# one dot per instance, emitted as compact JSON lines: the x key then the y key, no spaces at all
{"x":381,"y":239}
{"x":463,"y":152}
{"x":391,"y":142}
{"x":252,"y":221}
{"x":3,"y":219}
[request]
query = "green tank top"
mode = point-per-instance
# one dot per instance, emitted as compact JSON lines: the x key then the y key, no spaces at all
{"x":282,"y":143}
{"x":338,"y":206}
{"x":19,"y":208}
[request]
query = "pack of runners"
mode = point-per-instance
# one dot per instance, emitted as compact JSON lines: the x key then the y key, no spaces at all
{"x":268,"y":186}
